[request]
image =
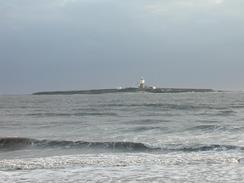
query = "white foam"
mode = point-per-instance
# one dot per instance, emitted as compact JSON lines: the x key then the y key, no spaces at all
{"x":115,"y":160}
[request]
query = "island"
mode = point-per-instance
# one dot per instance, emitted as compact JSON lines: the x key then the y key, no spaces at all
{"x":140,"y":88}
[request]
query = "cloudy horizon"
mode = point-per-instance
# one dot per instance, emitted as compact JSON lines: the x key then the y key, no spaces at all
{"x":86,"y":44}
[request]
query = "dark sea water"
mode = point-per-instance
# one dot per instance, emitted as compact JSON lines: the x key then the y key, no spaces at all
{"x":133,"y":137}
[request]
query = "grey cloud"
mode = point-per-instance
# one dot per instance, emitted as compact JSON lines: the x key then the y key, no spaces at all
{"x":51,"y":44}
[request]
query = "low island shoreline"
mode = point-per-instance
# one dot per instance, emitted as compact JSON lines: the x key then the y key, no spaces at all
{"x":124,"y":90}
{"x":141,"y":88}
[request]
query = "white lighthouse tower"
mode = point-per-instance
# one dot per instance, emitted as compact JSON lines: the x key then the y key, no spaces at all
{"x":142,"y":84}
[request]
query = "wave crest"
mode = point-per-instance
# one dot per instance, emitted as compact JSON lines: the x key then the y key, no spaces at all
{"x":19,"y":143}
{"x":14,"y":143}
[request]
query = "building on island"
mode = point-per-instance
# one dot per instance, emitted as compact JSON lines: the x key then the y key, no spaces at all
{"x":142,"y":84}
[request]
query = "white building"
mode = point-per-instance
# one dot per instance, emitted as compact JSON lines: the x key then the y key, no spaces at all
{"x":142,"y":83}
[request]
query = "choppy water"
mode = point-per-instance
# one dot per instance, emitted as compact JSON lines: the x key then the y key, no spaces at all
{"x":188,"y":137}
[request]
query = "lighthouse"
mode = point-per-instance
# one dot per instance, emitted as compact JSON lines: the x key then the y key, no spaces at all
{"x":142,"y":84}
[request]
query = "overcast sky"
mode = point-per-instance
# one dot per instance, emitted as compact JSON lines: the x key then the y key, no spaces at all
{"x":83,"y":44}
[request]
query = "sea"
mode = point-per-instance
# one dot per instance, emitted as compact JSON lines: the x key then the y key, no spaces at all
{"x":122,"y":137}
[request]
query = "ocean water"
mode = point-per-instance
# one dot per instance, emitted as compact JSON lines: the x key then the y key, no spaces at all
{"x":130,"y":137}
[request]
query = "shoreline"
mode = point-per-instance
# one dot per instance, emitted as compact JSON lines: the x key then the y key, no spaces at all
{"x":124,"y":90}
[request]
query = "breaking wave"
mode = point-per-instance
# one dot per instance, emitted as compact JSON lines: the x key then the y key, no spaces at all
{"x":19,"y":143}
{"x":9,"y":144}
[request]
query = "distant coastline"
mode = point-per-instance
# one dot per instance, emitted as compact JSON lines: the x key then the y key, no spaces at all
{"x":124,"y":90}
{"x":141,"y":88}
